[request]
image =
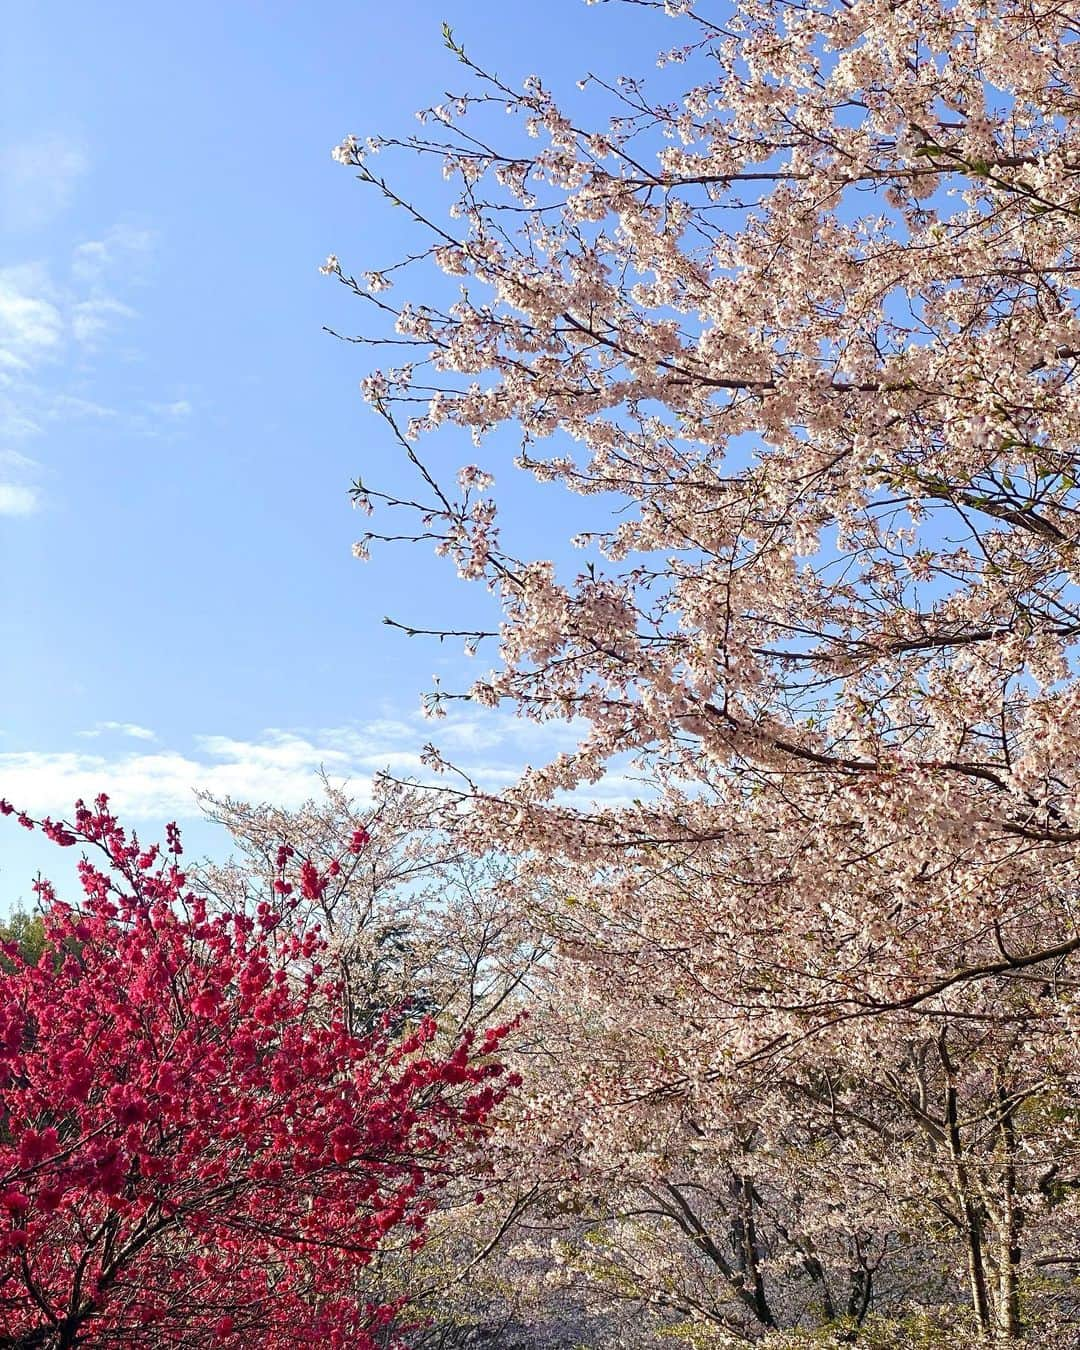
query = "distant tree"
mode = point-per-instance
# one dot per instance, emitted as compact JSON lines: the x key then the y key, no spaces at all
{"x":195,"y":1150}
{"x":26,"y":932}
{"x":410,"y":917}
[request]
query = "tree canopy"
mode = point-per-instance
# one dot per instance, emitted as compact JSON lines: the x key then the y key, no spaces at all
{"x":803,"y":336}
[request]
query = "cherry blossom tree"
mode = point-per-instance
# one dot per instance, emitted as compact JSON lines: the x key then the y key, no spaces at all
{"x":800,"y":330}
{"x":195,"y":1149}
{"x":408,"y":917}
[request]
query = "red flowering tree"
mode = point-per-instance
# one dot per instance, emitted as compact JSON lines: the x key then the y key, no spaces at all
{"x":194,"y":1148}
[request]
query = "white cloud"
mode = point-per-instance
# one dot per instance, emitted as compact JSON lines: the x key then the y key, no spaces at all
{"x":123,"y":250}
{"x":14,"y":421}
{"x":16,"y":499}
{"x":89,"y":260}
{"x":41,"y":322}
{"x":18,"y":494}
{"x":19,"y":463}
{"x":63,"y":407}
{"x":36,"y":314}
{"x":165,"y":420}
{"x":280,"y":766}
{"x":161,"y":785}
{"x":131,"y":729}
{"x":38,"y":178}
{"x":31,"y":325}
{"x":91,"y":319}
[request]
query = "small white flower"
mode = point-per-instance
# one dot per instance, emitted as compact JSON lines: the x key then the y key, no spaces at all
{"x":348,"y":152}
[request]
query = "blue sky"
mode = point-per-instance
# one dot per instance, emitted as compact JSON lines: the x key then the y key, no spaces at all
{"x":177,"y":434}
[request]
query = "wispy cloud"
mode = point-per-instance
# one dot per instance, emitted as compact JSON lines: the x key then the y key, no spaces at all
{"x":92,"y":319}
{"x":123,"y":251}
{"x":38,"y":178}
{"x":55,"y":319}
{"x":100,"y":266}
{"x":31,"y":323}
{"x":16,"y":461}
{"x":19,"y":494}
{"x":38,"y":314}
{"x":177,"y":409}
{"x":68,"y":407}
{"x":131,"y":729}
